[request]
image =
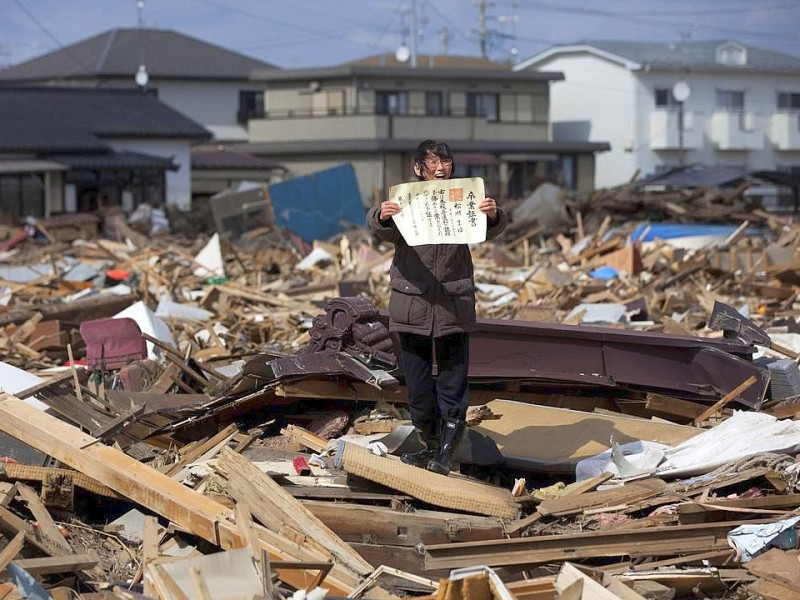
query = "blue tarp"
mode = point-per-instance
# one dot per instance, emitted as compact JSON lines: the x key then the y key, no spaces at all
{"x":666,"y":231}
{"x":320,"y":205}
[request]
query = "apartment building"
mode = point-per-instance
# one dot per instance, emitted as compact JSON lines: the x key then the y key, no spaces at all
{"x":665,"y":105}
{"x":373,"y":113}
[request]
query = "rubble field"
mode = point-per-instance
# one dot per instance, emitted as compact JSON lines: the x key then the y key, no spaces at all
{"x":188,"y":416}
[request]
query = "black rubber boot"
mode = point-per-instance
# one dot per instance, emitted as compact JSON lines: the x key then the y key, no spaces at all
{"x":430,"y":436}
{"x":452,"y":430}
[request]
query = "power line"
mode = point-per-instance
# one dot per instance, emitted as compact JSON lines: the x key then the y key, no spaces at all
{"x":50,"y":35}
{"x":317,"y":34}
{"x":654,"y":18}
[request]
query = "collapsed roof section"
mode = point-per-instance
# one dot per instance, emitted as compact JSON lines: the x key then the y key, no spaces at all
{"x":523,"y":352}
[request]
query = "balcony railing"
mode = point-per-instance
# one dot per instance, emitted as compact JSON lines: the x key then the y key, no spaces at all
{"x":243,"y":115}
{"x":665,"y":131}
{"x":314,"y":126}
{"x":736,"y":130}
{"x":412,"y":111}
{"x":785,"y":130}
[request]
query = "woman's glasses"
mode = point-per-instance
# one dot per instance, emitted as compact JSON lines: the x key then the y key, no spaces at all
{"x":433,"y":161}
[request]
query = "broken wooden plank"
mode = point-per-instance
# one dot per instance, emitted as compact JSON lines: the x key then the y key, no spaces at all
{"x":214,"y":443}
{"x":45,"y":522}
{"x":7,"y":493}
{"x":698,"y":510}
{"x":11,"y":550}
{"x":777,"y":566}
{"x":12,"y":524}
{"x":95,"y":307}
{"x":381,"y":525}
{"x":573,"y":504}
{"x":305,"y":438}
{"x":573,"y":489}
{"x":114,"y":468}
{"x":540,"y":588}
{"x":151,"y":537}
{"x":722,"y":402}
{"x":675,"y":407}
{"x":465,"y":495}
{"x":244,"y":521}
{"x":49,"y":565}
{"x":653,"y":541}
{"x":573,"y":581}
{"x":274,"y":507}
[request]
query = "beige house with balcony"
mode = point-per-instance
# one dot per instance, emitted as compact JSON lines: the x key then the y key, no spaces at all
{"x":373,"y":113}
{"x":741,"y":106}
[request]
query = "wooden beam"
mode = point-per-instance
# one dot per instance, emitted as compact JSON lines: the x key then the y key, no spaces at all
{"x":7,"y":493}
{"x":244,"y":521}
{"x":305,"y":438}
{"x":464,"y":495}
{"x":276,"y":508}
{"x":382,"y":525}
{"x":151,"y":538}
{"x":573,"y":504}
{"x":12,"y":524}
{"x":673,"y":406}
{"x":140,"y":483}
{"x":653,"y":541}
{"x":198,"y":450}
{"x":58,"y":564}
{"x":125,"y":475}
{"x":47,"y":526}
{"x":720,"y":404}
{"x":11,"y":550}
{"x":47,"y":383}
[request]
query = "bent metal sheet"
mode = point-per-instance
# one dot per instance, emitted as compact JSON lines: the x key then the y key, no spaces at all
{"x":440,"y":211}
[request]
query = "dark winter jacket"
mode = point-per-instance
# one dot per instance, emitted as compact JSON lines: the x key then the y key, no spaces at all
{"x":433,"y":285}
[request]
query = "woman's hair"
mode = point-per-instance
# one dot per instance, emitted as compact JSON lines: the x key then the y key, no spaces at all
{"x":434,"y":147}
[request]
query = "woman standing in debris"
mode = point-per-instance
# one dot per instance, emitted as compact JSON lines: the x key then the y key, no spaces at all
{"x":432,"y":309}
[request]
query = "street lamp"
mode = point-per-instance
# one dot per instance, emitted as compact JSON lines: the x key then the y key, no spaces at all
{"x":142,"y":77}
{"x":681,"y":92}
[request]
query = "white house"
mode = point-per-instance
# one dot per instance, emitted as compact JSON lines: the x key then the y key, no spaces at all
{"x":74,"y":149}
{"x":740,"y":105}
{"x":207,"y":83}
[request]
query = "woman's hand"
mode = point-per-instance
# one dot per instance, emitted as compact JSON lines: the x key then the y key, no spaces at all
{"x":389,"y":208}
{"x":488,"y":207}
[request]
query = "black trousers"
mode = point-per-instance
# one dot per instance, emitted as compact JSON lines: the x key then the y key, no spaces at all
{"x":446,"y":395}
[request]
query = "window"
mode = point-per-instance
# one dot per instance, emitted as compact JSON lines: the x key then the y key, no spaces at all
{"x":562,"y":171}
{"x":391,"y":103}
{"x":251,"y":106}
{"x":791,"y":169}
{"x":731,"y":54}
{"x":22,"y":195}
{"x":665,"y":99}
{"x":788,"y":101}
{"x":434,"y":104}
{"x":731,"y":100}
{"x":482,"y":105}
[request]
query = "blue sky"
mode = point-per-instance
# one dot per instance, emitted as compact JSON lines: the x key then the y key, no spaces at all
{"x":310,"y":33}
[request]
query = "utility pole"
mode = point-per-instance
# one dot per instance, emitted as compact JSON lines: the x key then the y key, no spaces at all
{"x":513,"y":19}
{"x":414,"y":34}
{"x":139,"y":8}
{"x":444,"y":39}
{"x":482,"y":26}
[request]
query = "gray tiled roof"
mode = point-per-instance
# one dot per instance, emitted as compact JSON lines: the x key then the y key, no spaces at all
{"x":77,"y":119}
{"x":698,"y":55}
{"x":119,"y":52}
{"x":211,"y":157}
{"x":116,"y":160}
